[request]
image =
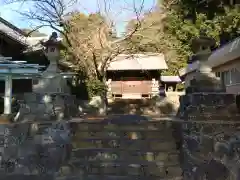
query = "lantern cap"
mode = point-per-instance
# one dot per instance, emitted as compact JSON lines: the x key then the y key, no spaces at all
{"x":53,"y":41}
{"x":202,"y":40}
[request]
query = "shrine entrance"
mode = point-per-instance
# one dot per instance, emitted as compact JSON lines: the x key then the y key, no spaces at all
{"x":132,"y":84}
{"x":135,"y":76}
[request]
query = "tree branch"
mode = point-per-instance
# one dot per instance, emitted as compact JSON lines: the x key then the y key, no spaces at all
{"x":88,"y":38}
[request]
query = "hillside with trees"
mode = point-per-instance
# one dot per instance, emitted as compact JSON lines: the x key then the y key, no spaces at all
{"x":174,"y":23}
{"x":91,"y":42}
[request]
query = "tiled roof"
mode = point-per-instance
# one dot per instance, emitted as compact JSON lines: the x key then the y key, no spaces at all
{"x":170,"y":79}
{"x":33,"y":43}
{"x":226,"y":53}
{"x":12,"y":31}
{"x":148,"y":61}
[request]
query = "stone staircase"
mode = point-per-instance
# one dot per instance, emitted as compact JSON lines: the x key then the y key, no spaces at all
{"x":111,"y":148}
{"x":125,"y":147}
{"x":114,"y":148}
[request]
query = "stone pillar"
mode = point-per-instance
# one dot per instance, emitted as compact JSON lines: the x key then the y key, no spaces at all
{"x":8,"y":95}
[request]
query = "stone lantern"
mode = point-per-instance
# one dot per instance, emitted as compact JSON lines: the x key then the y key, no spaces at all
{"x":52,"y":81}
{"x":52,"y":51}
{"x":205,"y":102}
{"x":204,"y":79}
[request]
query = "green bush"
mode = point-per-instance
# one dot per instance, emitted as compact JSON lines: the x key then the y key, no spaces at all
{"x":96,"y":88}
{"x":180,"y":87}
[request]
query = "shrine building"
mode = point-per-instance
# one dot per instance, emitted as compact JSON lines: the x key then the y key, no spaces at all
{"x":135,"y":76}
{"x":170,"y":83}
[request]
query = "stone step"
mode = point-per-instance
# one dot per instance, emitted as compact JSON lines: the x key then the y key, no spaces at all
{"x":131,"y":127}
{"x":115,"y":177}
{"x":212,"y":117}
{"x":92,"y":152}
{"x":150,"y":169}
{"x":208,"y":99}
{"x":170,"y":157}
{"x":124,"y":163}
{"x":206,"y":109}
{"x":163,"y":146}
{"x":174,"y":171}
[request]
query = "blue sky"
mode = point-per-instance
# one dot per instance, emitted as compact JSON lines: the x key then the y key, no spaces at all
{"x":120,"y":12}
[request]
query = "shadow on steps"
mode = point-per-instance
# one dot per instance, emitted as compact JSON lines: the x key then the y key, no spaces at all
{"x":157,"y":106}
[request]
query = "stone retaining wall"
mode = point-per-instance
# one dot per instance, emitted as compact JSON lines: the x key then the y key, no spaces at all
{"x":209,"y":136}
{"x":44,"y":107}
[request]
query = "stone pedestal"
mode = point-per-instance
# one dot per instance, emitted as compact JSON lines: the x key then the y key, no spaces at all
{"x":51,"y":92}
{"x":208,"y":119}
{"x":51,"y":83}
{"x":205,"y":110}
{"x":47,"y":107}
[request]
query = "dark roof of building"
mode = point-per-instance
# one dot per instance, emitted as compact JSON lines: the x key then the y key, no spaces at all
{"x":12,"y":26}
{"x":147,"y":61}
{"x":170,"y":79}
{"x":12,"y":31}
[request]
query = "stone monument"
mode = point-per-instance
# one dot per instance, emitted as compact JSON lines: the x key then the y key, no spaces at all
{"x":52,"y":81}
{"x":51,"y":98}
{"x":43,"y":117}
{"x":205,"y":111}
{"x":17,"y":143}
{"x":204,"y":79}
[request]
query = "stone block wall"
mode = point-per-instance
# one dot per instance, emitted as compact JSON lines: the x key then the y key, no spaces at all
{"x":44,"y":107}
{"x":209,"y":135}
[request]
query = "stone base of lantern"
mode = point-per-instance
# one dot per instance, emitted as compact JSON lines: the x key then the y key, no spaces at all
{"x":205,"y":100}
{"x":51,"y":84}
{"x":47,"y":107}
{"x":205,"y":82}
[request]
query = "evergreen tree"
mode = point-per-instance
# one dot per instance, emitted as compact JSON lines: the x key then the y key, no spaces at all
{"x":172,"y":25}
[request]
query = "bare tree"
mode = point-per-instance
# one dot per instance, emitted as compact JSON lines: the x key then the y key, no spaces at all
{"x":90,"y":44}
{"x":97,"y":47}
{"x":92,"y":48}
